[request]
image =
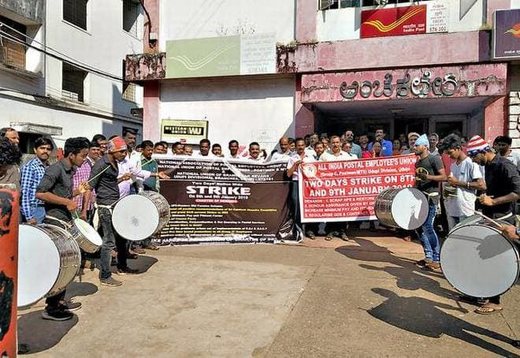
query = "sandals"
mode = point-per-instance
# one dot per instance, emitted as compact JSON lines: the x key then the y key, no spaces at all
{"x":488,"y":310}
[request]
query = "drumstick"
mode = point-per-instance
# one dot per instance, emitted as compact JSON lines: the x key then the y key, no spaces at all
{"x":98,"y":174}
{"x":498,"y":225}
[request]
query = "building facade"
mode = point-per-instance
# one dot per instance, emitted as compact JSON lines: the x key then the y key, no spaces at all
{"x":61,"y":68}
{"x":422,"y":66}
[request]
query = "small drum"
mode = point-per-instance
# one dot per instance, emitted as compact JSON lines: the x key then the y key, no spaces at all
{"x":402,"y":208}
{"x":478,"y":260}
{"x":85,"y":235}
{"x":48,"y":260}
{"x":139,"y":216}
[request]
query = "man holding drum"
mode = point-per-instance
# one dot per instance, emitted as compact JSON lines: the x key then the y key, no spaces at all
{"x":429,"y":172}
{"x":502,"y":192}
{"x":465,"y":177}
{"x":104,"y":180}
{"x":56,"y":191}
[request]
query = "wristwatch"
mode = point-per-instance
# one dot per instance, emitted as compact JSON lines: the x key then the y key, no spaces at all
{"x":518,"y":231}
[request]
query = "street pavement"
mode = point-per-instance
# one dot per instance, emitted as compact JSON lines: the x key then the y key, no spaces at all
{"x":363,"y":298}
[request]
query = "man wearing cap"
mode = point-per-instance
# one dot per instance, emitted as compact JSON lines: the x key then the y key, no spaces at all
{"x":502,"y":192}
{"x":104,"y":179}
{"x":429,"y":172}
{"x":412,"y":137}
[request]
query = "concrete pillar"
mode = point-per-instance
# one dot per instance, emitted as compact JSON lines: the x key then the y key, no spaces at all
{"x":306,"y":12}
{"x":151,"y":25}
{"x":303,"y":117}
{"x":495,"y":119}
{"x":9,"y":209}
{"x":151,"y":105}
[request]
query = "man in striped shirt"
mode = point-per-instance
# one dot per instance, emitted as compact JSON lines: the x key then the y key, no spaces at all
{"x":33,"y":209}
{"x":82,"y":174}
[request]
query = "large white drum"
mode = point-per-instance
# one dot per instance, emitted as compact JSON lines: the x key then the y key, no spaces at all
{"x":48,"y":260}
{"x":137,"y":217}
{"x":478,"y":260}
{"x":402,"y":208}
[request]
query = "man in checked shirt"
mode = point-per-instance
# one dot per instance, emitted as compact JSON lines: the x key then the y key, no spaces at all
{"x":33,"y":210}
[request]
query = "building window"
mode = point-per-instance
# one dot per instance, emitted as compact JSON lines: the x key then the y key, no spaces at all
{"x":130,"y":16}
{"x":12,"y":43}
{"x":73,"y":82}
{"x":75,"y":12}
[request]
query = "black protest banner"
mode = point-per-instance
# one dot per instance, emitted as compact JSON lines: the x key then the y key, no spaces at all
{"x":216,"y":199}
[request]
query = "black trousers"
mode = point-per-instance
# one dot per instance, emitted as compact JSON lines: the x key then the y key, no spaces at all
{"x":53,"y":302}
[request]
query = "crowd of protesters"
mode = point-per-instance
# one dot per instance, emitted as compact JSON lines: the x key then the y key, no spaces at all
{"x":453,"y":173}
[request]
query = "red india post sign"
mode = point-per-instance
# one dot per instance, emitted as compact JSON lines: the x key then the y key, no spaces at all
{"x":346,"y":190}
{"x":409,"y":20}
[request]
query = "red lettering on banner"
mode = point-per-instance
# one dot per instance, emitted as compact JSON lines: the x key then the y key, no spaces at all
{"x":346,"y":190}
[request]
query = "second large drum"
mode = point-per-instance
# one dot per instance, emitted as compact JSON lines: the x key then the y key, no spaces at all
{"x":402,"y":208}
{"x":137,"y":217}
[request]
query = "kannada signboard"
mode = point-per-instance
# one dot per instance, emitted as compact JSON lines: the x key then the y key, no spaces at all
{"x":506,"y":34}
{"x":405,"y":20}
{"x":215,"y":199}
{"x":221,"y":56}
{"x":184,"y":131}
{"x":346,"y":190}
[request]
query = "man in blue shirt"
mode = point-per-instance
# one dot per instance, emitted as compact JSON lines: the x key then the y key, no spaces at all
{"x":387,"y":145}
{"x":356,"y":148}
{"x":33,"y":210}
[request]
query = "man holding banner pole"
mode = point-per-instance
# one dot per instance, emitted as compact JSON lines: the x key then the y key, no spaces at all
{"x":336,"y":154}
{"x":292,"y":171}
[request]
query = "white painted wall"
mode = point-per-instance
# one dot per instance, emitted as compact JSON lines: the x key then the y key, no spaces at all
{"x":238,"y":109}
{"x":181,"y":19}
{"x":73,"y":124}
{"x":344,"y":24}
{"x":103,"y":46}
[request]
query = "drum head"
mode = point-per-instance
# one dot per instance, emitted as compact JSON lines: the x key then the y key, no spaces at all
{"x":135,"y":217}
{"x":409,"y":208}
{"x":478,"y":261}
{"x":38,"y":265}
{"x":88,"y":231}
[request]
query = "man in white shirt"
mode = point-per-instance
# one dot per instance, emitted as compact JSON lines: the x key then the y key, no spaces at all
{"x":503,"y":145}
{"x":434,"y":141}
{"x":233,"y":149}
{"x":347,"y":148}
{"x":204,"y":147}
{"x":336,"y":154}
{"x":254,"y":153}
{"x":464,"y":179}
{"x":284,"y":153}
{"x":309,"y":150}
{"x":292,"y":171}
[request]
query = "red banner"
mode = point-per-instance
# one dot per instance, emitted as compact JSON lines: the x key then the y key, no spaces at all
{"x":409,"y":20}
{"x":346,"y":191}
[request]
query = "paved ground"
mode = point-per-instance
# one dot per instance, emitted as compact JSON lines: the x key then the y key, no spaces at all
{"x":364,"y":298}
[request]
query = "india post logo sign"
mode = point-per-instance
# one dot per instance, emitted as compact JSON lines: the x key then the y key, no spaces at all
{"x":409,"y":20}
{"x":506,"y":34}
{"x":221,"y":56}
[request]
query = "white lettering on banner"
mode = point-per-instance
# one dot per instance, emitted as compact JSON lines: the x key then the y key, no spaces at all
{"x":216,"y":190}
{"x":346,"y":190}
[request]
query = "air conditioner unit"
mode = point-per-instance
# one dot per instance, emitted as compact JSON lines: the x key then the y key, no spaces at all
{"x":325,"y":4}
{"x":69,"y":95}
